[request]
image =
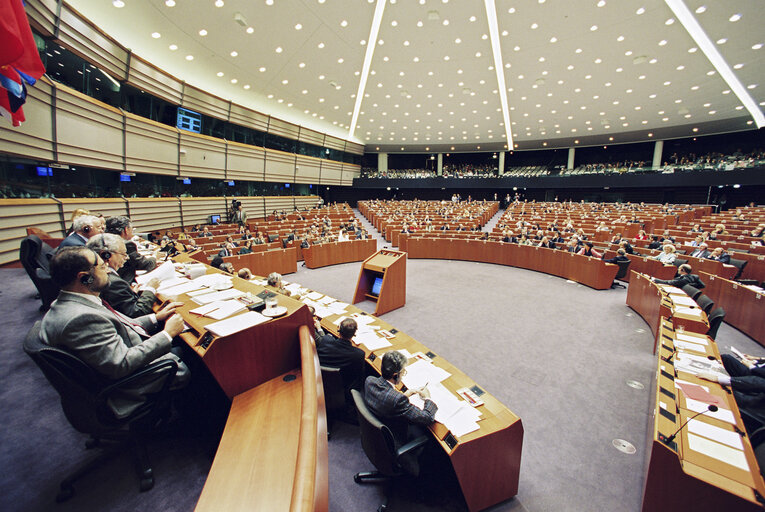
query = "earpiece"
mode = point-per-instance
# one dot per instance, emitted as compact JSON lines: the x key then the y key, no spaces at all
{"x":87,"y":280}
{"x":86,"y":229}
{"x":105,"y":255}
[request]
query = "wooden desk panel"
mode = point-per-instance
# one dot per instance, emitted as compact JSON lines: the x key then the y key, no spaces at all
{"x":582,"y":269}
{"x":263,"y":263}
{"x":334,"y":253}
{"x":744,"y":307}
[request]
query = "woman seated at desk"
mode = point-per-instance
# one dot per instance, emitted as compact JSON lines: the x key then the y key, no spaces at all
{"x":275,"y":284}
{"x":587,"y":250}
{"x":667,"y":255}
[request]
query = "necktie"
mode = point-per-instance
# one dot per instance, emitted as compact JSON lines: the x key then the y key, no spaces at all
{"x":127,"y":321}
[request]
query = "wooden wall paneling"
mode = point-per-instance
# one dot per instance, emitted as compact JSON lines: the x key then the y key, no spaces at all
{"x":88,"y":132}
{"x":146,"y":77}
{"x":254,"y":206}
{"x":200,"y":101}
{"x":42,"y":15}
{"x":311,"y":137}
{"x":149,"y":214}
{"x":16,"y":215}
{"x":352,"y":147}
{"x":34,"y":138}
{"x":308,"y":169}
{"x":334,"y":143}
{"x":279,"y":167}
{"x":85,"y":39}
{"x":106,"y":206}
{"x":286,"y":203}
{"x":244,"y":162}
{"x":283,"y":128}
{"x":306,"y":201}
{"x":204,"y":157}
{"x":150,"y":147}
{"x":244,"y":116}
{"x":350,"y":171}
{"x":196,"y":210}
{"x":331,"y":172}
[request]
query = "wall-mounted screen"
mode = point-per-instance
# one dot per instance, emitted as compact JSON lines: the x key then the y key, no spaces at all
{"x":189,"y":120}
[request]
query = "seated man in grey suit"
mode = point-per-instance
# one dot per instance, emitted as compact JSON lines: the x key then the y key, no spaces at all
{"x":684,"y":277}
{"x":701,"y":251}
{"x":118,"y":293}
{"x":392,"y":406}
{"x":122,"y":226}
{"x":84,"y":228}
{"x":113,"y":345}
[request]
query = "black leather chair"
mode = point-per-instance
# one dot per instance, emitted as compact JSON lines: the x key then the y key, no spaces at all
{"x":715,"y":319}
{"x":84,"y":398}
{"x":334,"y":394}
{"x":705,"y":303}
{"x":740,"y":265}
{"x":692,"y":291}
{"x":624,"y":267}
{"x":677,"y":262}
{"x":380,"y":448}
{"x":35,"y":256}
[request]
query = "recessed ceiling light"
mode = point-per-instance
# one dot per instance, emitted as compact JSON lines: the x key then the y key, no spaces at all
{"x":534,"y":26}
{"x":219,"y":73}
{"x":640,"y":11}
{"x":751,"y":86}
{"x":701,"y":9}
{"x":234,"y":53}
{"x":119,"y":4}
{"x":598,"y":61}
{"x":653,"y":61}
{"x":738,"y":66}
{"x":472,"y":18}
{"x":344,"y":23}
{"x":279,"y":49}
{"x":670,"y":21}
{"x":262,"y":69}
{"x":734,"y":18}
{"x":203,"y":32}
{"x":419,"y":24}
{"x":756,"y":46}
{"x":620,"y":38}
{"x":285,"y":82}
{"x":320,"y":45}
{"x":156,"y":35}
{"x":695,"y":88}
{"x":511,"y":10}
{"x":340,"y":60}
{"x":601,"y":3}
{"x":219,"y":3}
{"x":578,"y":50}
{"x":680,"y":67}
{"x":406,"y":43}
{"x":298,"y":26}
{"x":594,"y":28}
{"x":662,"y":42}
{"x":234,"y":80}
{"x":250,"y":30}
{"x":189,"y":57}
{"x":553,"y":39}
{"x":269,"y":2}
{"x":170,"y":3}
{"x":722,"y":40}
{"x":173,"y":47}
{"x":692,"y":49}
{"x":445,"y":23}
{"x":619,"y":70}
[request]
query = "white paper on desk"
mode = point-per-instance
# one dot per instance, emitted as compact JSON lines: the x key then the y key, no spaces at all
{"x":671,"y":289}
{"x":326,"y":301}
{"x":337,"y":308}
{"x":372,"y":341}
{"x":171,"y":282}
{"x":721,"y":414}
{"x":207,"y":298}
{"x":186,"y":287}
{"x":700,"y":338}
{"x":461,"y":423}
{"x":406,"y":353}
{"x":362,"y":319}
{"x":314,"y":295}
{"x":686,"y":383}
{"x":323,"y":312}
{"x":683,"y":300}
{"x":718,"y":451}
{"x":220,"y":309}
{"x":236,"y":323}
{"x":448,"y":404}
{"x":162,"y":272}
{"x":732,"y":439}
{"x":689,"y":311}
{"x":337,"y":322}
{"x":293,"y":288}
{"x":690,"y":346}
{"x":421,"y":373}
{"x":211,"y":280}
{"x":199,"y":292}
{"x":261,"y":282}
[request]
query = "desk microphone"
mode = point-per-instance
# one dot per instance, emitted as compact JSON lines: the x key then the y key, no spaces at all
{"x":671,"y":355}
{"x":710,"y":408}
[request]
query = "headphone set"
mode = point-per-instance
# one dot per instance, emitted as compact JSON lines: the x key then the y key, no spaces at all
{"x":105,"y":254}
{"x":86,"y":229}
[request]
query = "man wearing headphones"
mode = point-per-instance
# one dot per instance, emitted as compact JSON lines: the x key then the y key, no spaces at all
{"x":84,"y":228}
{"x":121,"y":225}
{"x":342,"y":354}
{"x":113,"y":345}
{"x":118,"y":292}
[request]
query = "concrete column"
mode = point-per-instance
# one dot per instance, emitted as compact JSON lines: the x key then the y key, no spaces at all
{"x":501,"y":166}
{"x":382,"y":162}
{"x":440,"y":164}
{"x":570,"y":164}
{"x":658,"y":149}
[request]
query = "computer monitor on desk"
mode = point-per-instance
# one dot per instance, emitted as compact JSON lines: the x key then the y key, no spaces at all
{"x":376,"y":286}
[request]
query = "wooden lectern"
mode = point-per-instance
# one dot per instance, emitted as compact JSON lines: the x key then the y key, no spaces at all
{"x":383,"y":280}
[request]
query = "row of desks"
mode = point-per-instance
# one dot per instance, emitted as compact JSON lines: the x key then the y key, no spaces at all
{"x":710,"y":465}
{"x":334,"y":253}
{"x":592,"y":272}
{"x":744,"y":306}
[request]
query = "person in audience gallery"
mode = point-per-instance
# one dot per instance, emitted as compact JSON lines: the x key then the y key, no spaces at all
{"x":84,"y":228}
{"x":121,"y":225}
{"x":118,"y":292}
{"x":114,"y":345}
{"x":683,"y":278}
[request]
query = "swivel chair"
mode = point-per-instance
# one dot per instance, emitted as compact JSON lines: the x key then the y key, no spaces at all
{"x":334,"y":394}
{"x":740,"y":265}
{"x":624,"y":267}
{"x":705,"y":303}
{"x":380,"y":447}
{"x":715,"y":319}
{"x":85,"y":399}
{"x":692,"y":291}
{"x":35,"y":256}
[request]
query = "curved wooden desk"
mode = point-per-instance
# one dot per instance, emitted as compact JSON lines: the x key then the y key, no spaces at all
{"x":334,"y":253}
{"x":744,"y":307}
{"x":592,"y":272}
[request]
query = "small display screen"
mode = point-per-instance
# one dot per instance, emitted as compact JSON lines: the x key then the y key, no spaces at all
{"x":377,"y":285}
{"x":44,"y":171}
{"x":231,"y":183}
{"x":124,"y":177}
{"x":214,"y":219}
{"x":189,"y":120}
{"x":187,"y":181}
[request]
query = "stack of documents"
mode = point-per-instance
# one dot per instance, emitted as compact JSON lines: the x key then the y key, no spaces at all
{"x":695,"y":364}
{"x":220,"y":309}
{"x":697,"y":312}
{"x":207,"y":298}
{"x":718,"y":443}
{"x":237,"y":323}
{"x":421,"y":373}
{"x":179,"y":289}
{"x":162,"y":272}
{"x":456,"y":415}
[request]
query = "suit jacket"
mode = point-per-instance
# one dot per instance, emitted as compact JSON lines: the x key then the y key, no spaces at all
{"x":121,"y":297}
{"x":135,"y":262}
{"x":700,"y":253}
{"x":394,"y":409}
{"x":682,"y":280}
{"x":616,"y":258}
{"x":224,"y":252}
{"x":73,"y":240}
{"x":241,"y":217}
{"x":340,"y":353}
{"x":725,"y":258}
{"x":103,"y":342}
